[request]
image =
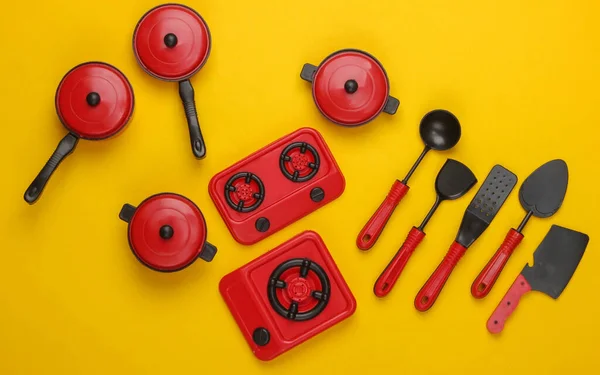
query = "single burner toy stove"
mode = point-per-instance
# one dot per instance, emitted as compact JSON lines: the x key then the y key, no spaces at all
{"x":276,"y":186}
{"x":287,"y":296}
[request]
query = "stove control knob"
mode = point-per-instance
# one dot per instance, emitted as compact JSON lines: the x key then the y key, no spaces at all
{"x":317,"y":194}
{"x":261,"y":336}
{"x":262,"y":224}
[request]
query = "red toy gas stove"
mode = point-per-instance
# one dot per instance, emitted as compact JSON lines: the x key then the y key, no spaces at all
{"x":287,"y":295}
{"x":276,"y":186}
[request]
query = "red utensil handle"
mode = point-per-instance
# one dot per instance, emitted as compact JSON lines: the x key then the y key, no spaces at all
{"x":370,"y":233}
{"x":488,"y":276}
{"x":508,"y":304}
{"x":432,"y":288}
{"x":388,"y":277}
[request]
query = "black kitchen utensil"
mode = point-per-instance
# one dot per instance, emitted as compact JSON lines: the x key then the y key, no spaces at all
{"x":541,"y":195}
{"x":453,"y":181}
{"x":478,"y":216}
{"x":440,"y":130}
{"x":555,"y":262}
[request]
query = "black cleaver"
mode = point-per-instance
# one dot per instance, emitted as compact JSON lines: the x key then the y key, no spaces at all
{"x":555,"y":261}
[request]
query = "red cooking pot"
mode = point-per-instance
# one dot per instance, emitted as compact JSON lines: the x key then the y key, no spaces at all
{"x":167,"y":232}
{"x":93,"y":101}
{"x":350,"y":87}
{"x":172,"y":42}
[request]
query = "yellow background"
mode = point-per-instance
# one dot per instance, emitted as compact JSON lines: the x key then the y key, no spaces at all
{"x":522,"y":77}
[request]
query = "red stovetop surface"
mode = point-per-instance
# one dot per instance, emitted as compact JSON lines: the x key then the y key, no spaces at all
{"x":246,"y":293}
{"x":281,"y":201}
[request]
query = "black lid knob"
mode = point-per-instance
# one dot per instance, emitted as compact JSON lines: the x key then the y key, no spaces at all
{"x":93,"y":99}
{"x":351,"y":86}
{"x":166,"y":232}
{"x":170,"y":40}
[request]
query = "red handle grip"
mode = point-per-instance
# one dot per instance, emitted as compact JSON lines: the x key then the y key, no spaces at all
{"x":488,"y":276}
{"x":508,"y":304}
{"x":432,"y":288}
{"x":370,"y":233}
{"x":387,"y":279}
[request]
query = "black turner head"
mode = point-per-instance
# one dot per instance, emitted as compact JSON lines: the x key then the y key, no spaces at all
{"x":486,"y":204}
{"x":454,"y":180}
{"x":555,"y":260}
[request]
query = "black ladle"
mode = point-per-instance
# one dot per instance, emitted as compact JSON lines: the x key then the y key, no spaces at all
{"x":440,"y":131}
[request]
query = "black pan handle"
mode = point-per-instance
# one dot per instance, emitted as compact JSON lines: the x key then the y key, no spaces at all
{"x":186,"y":92}
{"x":65,"y":148}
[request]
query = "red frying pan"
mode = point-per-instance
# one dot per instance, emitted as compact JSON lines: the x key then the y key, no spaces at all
{"x":172,"y":42}
{"x":94,"y":101}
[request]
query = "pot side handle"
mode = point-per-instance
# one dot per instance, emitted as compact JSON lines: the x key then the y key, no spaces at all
{"x":208,"y":252}
{"x":126,"y":212}
{"x":391,"y":106}
{"x":308,"y":72}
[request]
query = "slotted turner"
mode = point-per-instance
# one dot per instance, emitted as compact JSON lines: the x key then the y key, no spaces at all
{"x":478,"y":216}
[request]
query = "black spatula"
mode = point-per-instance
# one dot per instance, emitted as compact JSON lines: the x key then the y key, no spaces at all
{"x":541,"y":195}
{"x":555,"y":262}
{"x":480,"y":213}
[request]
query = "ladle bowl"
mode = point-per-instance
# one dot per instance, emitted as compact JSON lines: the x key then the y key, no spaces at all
{"x":440,"y":130}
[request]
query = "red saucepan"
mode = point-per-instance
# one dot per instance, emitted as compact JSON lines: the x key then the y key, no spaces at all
{"x":350,"y":87}
{"x":172,"y":42}
{"x":167,"y":232}
{"x":93,"y":101}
